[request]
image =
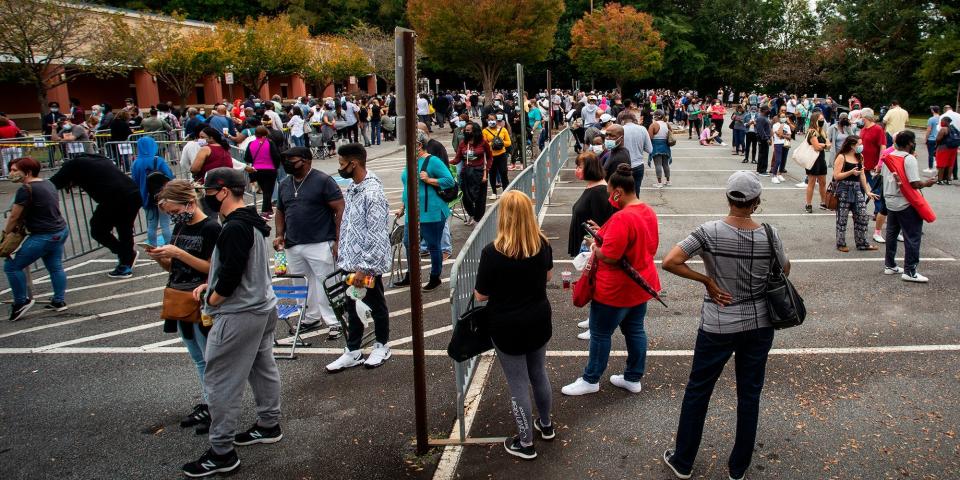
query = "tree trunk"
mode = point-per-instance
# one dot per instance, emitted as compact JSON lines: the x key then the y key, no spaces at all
{"x":488,"y":77}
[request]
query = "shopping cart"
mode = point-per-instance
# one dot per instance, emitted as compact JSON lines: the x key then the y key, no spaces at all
{"x":336,"y":288}
{"x":398,"y":252}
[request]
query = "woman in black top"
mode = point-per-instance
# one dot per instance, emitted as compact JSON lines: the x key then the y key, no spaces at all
{"x":187,"y":258}
{"x":376,"y":113}
{"x":852,"y":192}
{"x":36,"y":207}
{"x":593,"y":203}
{"x":512,"y":277}
{"x":817,"y":173}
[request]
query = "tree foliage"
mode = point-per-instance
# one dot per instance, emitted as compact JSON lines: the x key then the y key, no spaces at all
{"x":262,"y":47}
{"x":379,"y":47}
{"x":335,"y":59}
{"x":617,"y":42}
{"x":484,"y":36}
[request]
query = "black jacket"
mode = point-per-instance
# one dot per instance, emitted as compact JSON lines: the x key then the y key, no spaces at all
{"x":100,"y":178}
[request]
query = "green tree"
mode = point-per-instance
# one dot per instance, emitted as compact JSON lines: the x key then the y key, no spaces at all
{"x":334,"y":59}
{"x":940,"y":57}
{"x":263,"y":47}
{"x":497,"y":34}
{"x":617,"y":42}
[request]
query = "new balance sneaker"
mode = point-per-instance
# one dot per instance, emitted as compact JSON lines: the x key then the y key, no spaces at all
{"x":584,"y":324}
{"x":916,"y":278}
{"x":667,"y":458}
{"x":257,"y":434}
{"x":547,"y":433}
{"x":56,"y":306}
{"x":584,"y":335}
{"x":211,"y":464}
{"x":380,"y":354}
{"x":200,"y":414}
{"x":335,"y":332}
{"x":122,"y":271}
{"x":18,"y":310}
{"x":580,"y":387}
{"x":892,"y":270}
{"x":619,"y":381}
{"x":513,"y":447}
{"x":878,"y":238}
{"x":347,"y":360}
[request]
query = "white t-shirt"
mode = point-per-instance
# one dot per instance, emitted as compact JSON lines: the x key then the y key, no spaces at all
{"x":792,"y":106}
{"x":423,"y":107}
{"x":350,"y":112}
{"x":891,"y":191}
{"x":781,"y":127}
{"x":296,"y":126}
{"x":953,"y":116}
{"x":275,"y":122}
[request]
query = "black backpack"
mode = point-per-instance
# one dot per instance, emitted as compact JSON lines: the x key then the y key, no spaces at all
{"x":156,"y":179}
{"x":952,"y":140}
{"x":447,"y":195}
{"x":497,"y":143}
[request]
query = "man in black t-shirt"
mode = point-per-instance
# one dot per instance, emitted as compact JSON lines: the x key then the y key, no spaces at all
{"x":118,"y":203}
{"x":309,"y":208}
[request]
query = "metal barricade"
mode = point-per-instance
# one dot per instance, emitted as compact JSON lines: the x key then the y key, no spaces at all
{"x":536,"y":181}
{"x":43,"y":150}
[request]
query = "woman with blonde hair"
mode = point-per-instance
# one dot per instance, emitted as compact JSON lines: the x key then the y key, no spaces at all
{"x":187,"y":258}
{"x":512,"y":278}
{"x":817,"y":174}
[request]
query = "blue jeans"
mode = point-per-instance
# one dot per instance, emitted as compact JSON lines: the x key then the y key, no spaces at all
{"x":604,"y":320}
{"x":445,"y":246}
{"x":432,"y":233}
{"x":297,"y":141}
{"x":739,"y":139}
{"x":375,"y":132}
{"x":709,"y":357}
{"x":876,"y":185}
{"x":46,"y":246}
{"x":931,"y":153}
{"x":637,"y":178}
{"x":156,"y":218}
{"x":197,"y":347}
{"x":909,"y":223}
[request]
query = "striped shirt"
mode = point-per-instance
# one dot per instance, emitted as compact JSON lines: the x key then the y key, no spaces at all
{"x":739,"y":261}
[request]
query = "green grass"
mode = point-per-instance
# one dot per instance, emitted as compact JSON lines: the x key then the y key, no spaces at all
{"x":919,"y":121}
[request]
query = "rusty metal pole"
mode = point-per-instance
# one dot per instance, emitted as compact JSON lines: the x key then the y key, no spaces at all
{"x":413,"y":258}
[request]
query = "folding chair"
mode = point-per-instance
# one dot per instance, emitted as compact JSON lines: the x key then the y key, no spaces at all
{"x":292,"y":303}
{"x":456,"y":205}
{"x":336,"y":287}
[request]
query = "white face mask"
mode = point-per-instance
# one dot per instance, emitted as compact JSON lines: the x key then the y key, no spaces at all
{"x":598,"y":149}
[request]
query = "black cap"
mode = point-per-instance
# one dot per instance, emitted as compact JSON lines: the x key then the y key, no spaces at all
{"x":225,"y":177}
{"x":302,"y":152}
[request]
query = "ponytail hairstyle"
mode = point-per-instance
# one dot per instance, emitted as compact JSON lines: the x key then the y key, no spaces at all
{"x":217,"y":136}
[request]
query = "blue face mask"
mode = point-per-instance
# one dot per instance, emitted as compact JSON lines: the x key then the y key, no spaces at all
{"x":859,"y":148}
{"x":461,"y":123}
{"x":610,"y":144}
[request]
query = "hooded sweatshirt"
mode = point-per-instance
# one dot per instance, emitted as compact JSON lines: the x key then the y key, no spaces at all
{"x":146,"y":163}
{"x":239,"y":270}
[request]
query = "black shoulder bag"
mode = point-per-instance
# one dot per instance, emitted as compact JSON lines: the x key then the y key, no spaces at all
{"x":784,"y":305}
{"x":469,"y":338}
{"x":446,"y":194}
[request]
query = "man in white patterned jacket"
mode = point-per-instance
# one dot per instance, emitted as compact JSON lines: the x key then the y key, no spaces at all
{"x":364,"y":248}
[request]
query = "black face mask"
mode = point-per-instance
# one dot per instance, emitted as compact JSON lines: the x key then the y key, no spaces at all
{"x":213,"y":203}
{"x":820,"y":123}
{"x":344,"y":173}
{"x":291,"y":167}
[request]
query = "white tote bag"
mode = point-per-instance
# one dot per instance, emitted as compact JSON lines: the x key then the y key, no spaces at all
{"x":804,"y":155}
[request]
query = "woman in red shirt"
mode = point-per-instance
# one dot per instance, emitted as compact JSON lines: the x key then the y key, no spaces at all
{"x":717,"y":111}
{"x":477,"y":158}
{"x":618,"y":301}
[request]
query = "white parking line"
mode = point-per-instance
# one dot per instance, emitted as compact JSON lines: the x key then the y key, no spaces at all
{"x":46,"y":278}
{"x":394,"y":314}
{"x":106,"y":284}
{"x":97,"y":337}
{"x":81,"y":319}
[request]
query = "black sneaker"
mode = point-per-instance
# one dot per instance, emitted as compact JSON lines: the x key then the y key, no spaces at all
{"x":403,"y":282}
{"x":18,"y":310}
{"x":211,"y":464}
{"x":202,"y":429}
{"x":335,"y":332}
{"x":122,"y":271}
{"x":200,"y":414}
{"x":56,"y":306}
{"x":258,"y":434}
{"x":546,"y":433}
{"x":433,"y":284}
{"x":513,"y":447}
{"x":808,"y":209}
{"x":667,"y":457}
{"x":307,"y":327}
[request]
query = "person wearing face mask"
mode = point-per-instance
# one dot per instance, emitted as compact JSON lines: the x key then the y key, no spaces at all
{"x":838,"y":132}
{"x":187,"y":258}
{"x":874,"y":141}
{"x":661,"y":155}
{"x":597,"y":129}
{"x":307,"y":219}
{"x":499,"y":139}
{"x":600,"y":150}
{"x":475,"y":158}
{"x":717,"y":112}
{"x":618,"y":154}
{"x":852,"y":193}
{"x":781,"y":141}
{"x":593,"y":203}
{"x":52,"y":118}
{"x":535,"y":122}
{"x":630,"y":234}
{"x":263,"y":157}
{"x":147,"y":163}
{"x":433,"y":176}
{"x":238,"y":296}
{"x":36,"y":207}
{"x":364,"y":250}
{"x":817,"y":173}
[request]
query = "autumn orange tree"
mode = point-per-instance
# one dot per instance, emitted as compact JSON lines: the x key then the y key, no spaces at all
{"x":262,"y":47}
{"x":617,"y":42}
{"x":334,"y":59}
{"x":484,"y":36}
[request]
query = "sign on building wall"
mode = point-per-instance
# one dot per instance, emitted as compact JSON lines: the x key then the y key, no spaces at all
{"x":228,"y":78}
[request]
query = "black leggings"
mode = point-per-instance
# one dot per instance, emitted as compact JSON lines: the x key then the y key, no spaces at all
{"x":267,"y":179}
{"x":474,"y":192}
{"x":498,"y":174}
{"x":694,"y":122}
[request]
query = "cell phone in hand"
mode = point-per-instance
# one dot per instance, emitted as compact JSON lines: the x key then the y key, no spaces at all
{"x":145,"y":246}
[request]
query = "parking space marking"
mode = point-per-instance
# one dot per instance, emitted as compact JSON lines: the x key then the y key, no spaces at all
{"x":81,"y":319}
{"x":46,"y":278}
{"x":100,"y":336}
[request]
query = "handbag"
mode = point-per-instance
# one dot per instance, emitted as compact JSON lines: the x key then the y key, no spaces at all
{"x":10,"y":242}
{"x":831,"y":198}
{"x":469,"y":338}
{"x":785,"y":307}
{"x":804,"y":155}
{"x":180,"y":305}
{"x":446,"y":194}
{"x":671,"y":140}
{"x":583,"y":288}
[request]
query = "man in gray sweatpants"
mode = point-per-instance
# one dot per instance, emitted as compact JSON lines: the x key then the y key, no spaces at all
{"x":239,"y":296}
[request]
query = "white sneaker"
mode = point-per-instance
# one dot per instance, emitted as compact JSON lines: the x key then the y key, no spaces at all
{"x":668,"y":183}
{"x":892,"y":271}
{"x":619,"y":381}
{"x":775,"y":180}
{"x":928,"y":170}
{"x":347,"y":360}
{"x":780,"y":177}
{"x":584,"y":335}
{"x":580,"y":387}
{"x":878,"y":238}
{"x":658,"y":185}
{"x":380,"y":354}
{"x":900,"y":237}
{"x":801,"y":185}
{"x":916,"y":278}
{"x":584,"y":324}
{"x":492,"y":196}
